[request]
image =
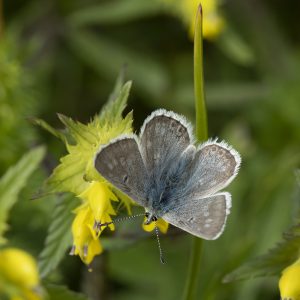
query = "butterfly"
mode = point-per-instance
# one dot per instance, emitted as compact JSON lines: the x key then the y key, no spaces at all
{"x":162,"y":170}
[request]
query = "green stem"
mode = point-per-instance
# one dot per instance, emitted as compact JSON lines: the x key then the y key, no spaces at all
{"x":190,"y":292}
{"x":201,"y":118}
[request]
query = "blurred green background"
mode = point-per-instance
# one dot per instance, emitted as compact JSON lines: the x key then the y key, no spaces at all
{"x":64,"y":56}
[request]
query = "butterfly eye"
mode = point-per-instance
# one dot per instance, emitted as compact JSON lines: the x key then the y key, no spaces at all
{"x":125,"y":179}
{"x":147,"y":215}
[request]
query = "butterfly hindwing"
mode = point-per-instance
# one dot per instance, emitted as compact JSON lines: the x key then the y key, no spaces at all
{"x":204,"y":217}
{"x":214,"y":166}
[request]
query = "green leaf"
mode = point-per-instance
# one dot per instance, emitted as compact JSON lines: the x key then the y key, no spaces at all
{"x":113,"y":12}
{"x":77,"y":167}
{"x":236,"y":48}
{"x":77,"y":130}
{"x":59,"y":237}
{"x":118,"y":85}
{"x":272,"y":263}
{"x":68,"y":176}
{"x":48,"y":128}
{"x":112,"y":111}
{"x":13,"y":181}
{"x":58,"y":292}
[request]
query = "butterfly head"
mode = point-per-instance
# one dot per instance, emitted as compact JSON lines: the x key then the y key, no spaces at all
{"x":150,"y":218}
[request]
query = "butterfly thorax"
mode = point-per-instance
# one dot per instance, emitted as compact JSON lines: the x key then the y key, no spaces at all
{"x":163,"y":191}
{"x":154,"y":193}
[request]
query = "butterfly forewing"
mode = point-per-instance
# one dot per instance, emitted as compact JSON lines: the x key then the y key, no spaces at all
{"x":121,"y":163}
{"x":164,"y":136}
{"x":204,"y":217}
{"x":214,"y":166}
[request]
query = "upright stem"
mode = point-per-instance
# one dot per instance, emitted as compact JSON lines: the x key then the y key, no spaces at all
{"x":190,"y":292}
{"x":201,"y":117}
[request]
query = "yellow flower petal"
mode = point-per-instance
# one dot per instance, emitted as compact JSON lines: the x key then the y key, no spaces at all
{"x":160,"y":223}
{"x":19,"y":276}
{"x":98,"y":195}
{"x":94,"y":248}
{"x":289,"y":283}
{"x":85,"y":242}
{"x":19,"y":268}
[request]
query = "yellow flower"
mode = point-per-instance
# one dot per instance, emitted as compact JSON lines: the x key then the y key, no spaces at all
{"x":98,"y":196}
{"x":85,"y":240}
{"x":213,"y":23}
{"x":96,"y":209}
{"x":289,"y":283}
{"x":160,"y":223}
{"x":19,"y":276}
{"x":76,"y":172}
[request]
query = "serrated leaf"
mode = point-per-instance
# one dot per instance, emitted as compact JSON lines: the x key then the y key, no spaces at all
{"x":59,"y":237}
{"x":112,"y":111}
{"x":47,"y":127}
{"x":78,"y":130}
{"x":68,"y":175}
{"x":59,"y":292}
{"x":13,"y":181}
{"x":118,"y":85}
{"x":77,"y":167}
{"x":272,"y":263}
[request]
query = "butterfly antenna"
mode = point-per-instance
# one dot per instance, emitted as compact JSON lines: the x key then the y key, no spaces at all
{"x":99,"y":225}
{"x":162,"y":260}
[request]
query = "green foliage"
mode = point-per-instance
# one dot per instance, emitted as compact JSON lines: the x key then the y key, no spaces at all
{"x":82,"y":141}
{"x":85,"y":142}
{"x":59,"y":237}
{"x":84,"y":136}
{"x":16,"y":103}
{"x":48,"y":128}
{"x":236,"y":48}
{"x":277,"y":258}
{"x":13,"y":181}
{"x":113,"y":109}
{"x":57,"y":292}
{"x":272,"y":263}
{"x":76,"y":49}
